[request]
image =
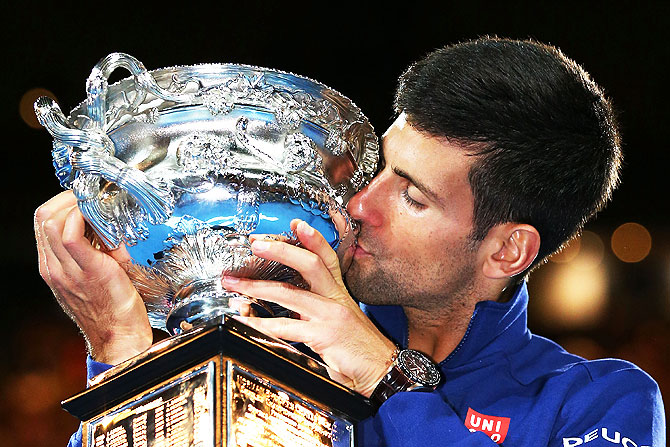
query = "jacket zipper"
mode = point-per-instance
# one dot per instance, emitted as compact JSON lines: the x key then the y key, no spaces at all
{"x":460,"y":345}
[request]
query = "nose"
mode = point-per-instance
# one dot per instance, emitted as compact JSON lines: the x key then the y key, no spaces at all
{"x":367,"y":204}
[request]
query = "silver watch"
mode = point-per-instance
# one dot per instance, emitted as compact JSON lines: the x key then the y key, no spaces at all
{"x":411,"y":371}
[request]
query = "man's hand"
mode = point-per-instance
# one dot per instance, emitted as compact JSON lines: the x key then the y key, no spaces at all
{"x":331,"y":323}
{"x":89,"y":284}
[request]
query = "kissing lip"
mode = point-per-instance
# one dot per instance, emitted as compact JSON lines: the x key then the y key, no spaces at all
{"x":360,"y":251}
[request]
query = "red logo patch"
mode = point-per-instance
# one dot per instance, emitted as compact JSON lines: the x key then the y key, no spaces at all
{"x":495,"y":427}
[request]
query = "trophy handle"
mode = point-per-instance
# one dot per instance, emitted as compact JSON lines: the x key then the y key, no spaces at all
{"x":117,"y":211}
{"x":96,"y":89}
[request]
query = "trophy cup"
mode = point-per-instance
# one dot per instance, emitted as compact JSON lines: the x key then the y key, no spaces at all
{"x":181,"y":165}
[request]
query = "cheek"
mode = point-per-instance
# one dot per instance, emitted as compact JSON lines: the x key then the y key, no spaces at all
{"x":432,"y":248}
{"x":416,"y":245}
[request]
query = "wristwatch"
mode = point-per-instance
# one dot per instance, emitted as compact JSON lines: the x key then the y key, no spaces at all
{"x":410,"y":371}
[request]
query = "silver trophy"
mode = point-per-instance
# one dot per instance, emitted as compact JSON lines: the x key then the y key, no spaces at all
{"x":182,"y":164}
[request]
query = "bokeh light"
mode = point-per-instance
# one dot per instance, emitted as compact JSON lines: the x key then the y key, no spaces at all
{"x":26,"y":106}
{"x":568,"y":252}
{"x":631,"y":242}
{"x":587,"y":249}
{"x":576,"y":295}
{"x":592,"y":251}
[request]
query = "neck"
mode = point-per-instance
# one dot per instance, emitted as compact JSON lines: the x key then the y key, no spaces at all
{"x":437,"y":337}
{"x":437,"y":334}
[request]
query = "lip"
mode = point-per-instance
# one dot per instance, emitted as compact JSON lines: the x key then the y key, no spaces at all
{"x":360,"y":251}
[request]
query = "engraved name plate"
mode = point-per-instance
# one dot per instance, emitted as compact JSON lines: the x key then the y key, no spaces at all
{"x":177,"y":414}
{"x":262,"y":414}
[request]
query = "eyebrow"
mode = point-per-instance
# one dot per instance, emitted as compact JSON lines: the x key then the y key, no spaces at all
{"x":420,"y":186}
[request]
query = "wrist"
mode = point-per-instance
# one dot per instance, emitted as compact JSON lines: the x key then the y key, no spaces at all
{"x":115,"y":337}
{"x":115,"y":348}
{"x":389,"y":360}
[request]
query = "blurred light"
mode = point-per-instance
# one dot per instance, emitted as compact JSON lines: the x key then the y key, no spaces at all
{"x":631,"y":242}
{"x":592,"y":250}
{"x":577,"y":296}
{"x":576,"y":292}
{"x":33,"y":393}
{"x":569,"y":252}
{"x":26,"y":106}
{"x":587,"y":249}
{"x":584,"y":347}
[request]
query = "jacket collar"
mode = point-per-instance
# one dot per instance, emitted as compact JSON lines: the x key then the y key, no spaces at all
{"x":493,"y":327}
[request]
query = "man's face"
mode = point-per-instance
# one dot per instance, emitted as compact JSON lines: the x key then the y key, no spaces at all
{"x":415,"y":220}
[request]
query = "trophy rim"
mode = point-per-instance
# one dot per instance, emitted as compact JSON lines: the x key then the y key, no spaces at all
{"x":365,"y":153}
{"x":348,"y":102}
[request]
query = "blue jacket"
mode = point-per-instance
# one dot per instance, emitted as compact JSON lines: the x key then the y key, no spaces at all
{"x":504,"y":385}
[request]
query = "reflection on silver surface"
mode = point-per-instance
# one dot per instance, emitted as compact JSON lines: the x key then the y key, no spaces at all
{"x":181,"y":164}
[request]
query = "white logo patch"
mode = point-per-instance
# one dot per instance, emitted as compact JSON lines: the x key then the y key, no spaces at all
{"x":613,"y":437}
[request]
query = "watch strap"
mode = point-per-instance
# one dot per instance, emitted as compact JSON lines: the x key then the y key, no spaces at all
{"x":394,"y":381}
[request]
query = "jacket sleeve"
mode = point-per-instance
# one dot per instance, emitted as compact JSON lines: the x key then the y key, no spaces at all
{"x":93,"y":368}
{"x":620,"y":405}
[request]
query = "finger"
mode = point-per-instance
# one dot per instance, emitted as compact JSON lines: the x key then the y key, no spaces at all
{"x":307,"y":304}
{"x":120,"y":255}
{"x":79,"y":247}
{"x":50,"y":268}
{"x":282,"y":328}
{"x":242,"y":306}
{"x":76,"y":244}
{"x":41,"y":253}
{"x":44,"y":212}
{"x":270,"y":237}
{"x":308,"y":264}
{"x":314,"y":241}
{"x":52,"y":229}
{"x":65,"y":199}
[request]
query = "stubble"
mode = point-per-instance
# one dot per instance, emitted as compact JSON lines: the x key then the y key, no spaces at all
{"x":432,"y":287}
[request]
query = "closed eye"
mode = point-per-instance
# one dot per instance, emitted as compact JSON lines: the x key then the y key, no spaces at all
{"x":411,"y":202}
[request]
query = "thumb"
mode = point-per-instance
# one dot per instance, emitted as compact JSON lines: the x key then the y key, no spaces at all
{"x":120,"y":255}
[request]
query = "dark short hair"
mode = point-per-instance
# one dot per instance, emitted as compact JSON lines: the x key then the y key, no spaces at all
{"x":544,"y":136}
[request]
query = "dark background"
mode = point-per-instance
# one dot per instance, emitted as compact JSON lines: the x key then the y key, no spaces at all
{"x":359,"y":50}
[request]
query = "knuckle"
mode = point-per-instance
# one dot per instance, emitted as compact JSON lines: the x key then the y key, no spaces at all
{"x":44,"y":273}
{"x":285,"y":287}
{"x":42,"y":213}
{"x":54,"y":280}
{"x":69,"y":240}
{"x":51,"y":227}
{"x":342,"y":313}
{"x":279,"y":248}
{"x":313,"y":263}
{"x":284,"y":328}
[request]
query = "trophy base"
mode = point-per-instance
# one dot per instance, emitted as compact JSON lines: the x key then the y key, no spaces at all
{"x":198,"y":302}
{"x":222,"y":384}
{"x":203,"y":300}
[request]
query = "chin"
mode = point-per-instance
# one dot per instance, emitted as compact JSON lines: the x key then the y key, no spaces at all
{"x":372,"y":288}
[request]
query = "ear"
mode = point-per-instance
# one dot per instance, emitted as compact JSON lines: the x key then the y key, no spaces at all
{"x":509,"y":249}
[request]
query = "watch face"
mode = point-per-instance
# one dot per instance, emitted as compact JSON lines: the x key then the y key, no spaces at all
{"x":418,"y":368}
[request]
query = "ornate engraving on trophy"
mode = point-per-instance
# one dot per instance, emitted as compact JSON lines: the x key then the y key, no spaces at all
{"x":233,"y":147}
{"x":177,"y":414}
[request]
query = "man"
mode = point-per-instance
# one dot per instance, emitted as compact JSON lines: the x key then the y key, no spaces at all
{"x":501,"y":151}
